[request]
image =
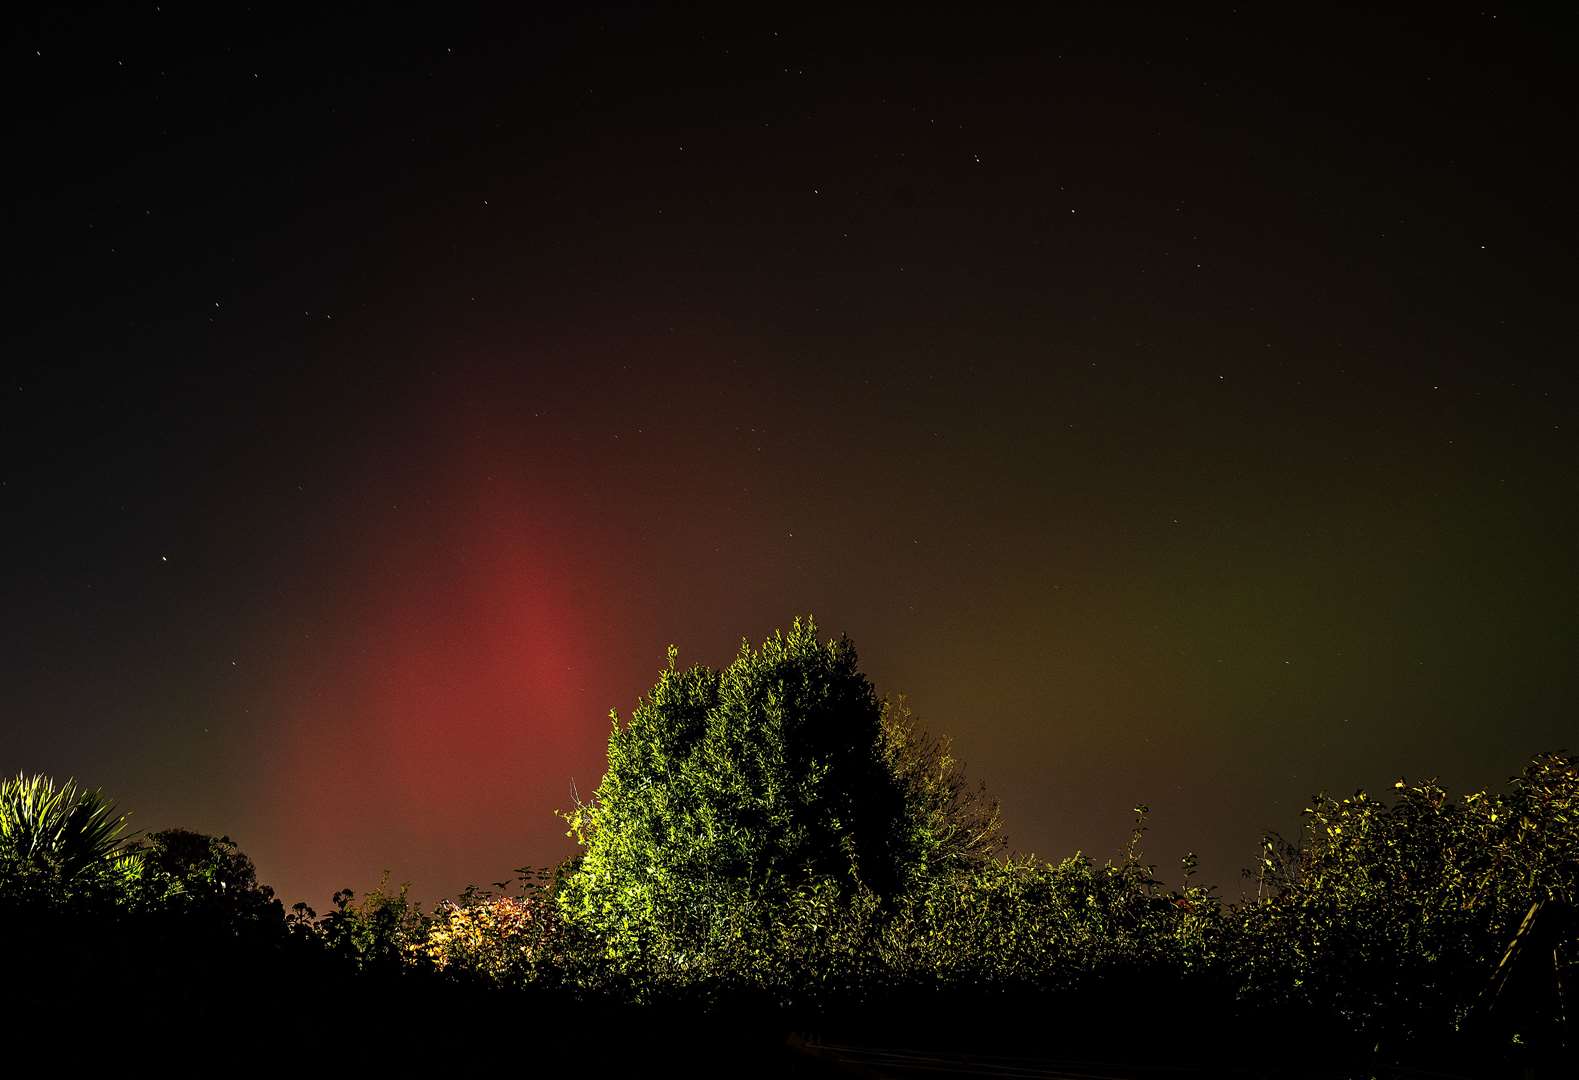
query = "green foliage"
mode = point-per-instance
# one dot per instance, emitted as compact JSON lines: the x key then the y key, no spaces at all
{"x":382,"y":934}
{"x":1021,"y":923}
{"x":729,"y":795}
{"x":58,"y":839}
{"x":949,"y":825}
{"x":499,"y":939}
{"x":1390,"y":919}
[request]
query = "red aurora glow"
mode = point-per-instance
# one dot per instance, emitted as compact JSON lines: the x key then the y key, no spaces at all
{"x":444,"y":688}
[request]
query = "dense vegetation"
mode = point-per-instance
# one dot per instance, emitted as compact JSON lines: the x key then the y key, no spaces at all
{"x":774,"y":840}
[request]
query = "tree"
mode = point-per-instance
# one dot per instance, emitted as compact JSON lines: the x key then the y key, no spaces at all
{"x":736,"y":799}
{"x":951,"y":825}
{"x":208,"y":877}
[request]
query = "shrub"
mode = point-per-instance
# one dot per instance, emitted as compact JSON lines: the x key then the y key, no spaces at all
{"x":500,"y":940}
{"x":1390,"y":919}
{"x":382,"y":934}
{"x":57,"y":840}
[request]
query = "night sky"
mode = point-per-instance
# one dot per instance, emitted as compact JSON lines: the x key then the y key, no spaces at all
{"x":1178,"y":407}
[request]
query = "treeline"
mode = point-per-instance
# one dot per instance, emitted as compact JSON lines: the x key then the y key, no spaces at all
{"x":775,"y":845}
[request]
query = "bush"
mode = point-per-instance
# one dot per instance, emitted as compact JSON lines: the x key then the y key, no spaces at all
{"x":1054,"y":927}
{"x":1389,"y":921}
{"x":59,"y":841}
{"x":381,"y":934}
{"x":498,"y":940}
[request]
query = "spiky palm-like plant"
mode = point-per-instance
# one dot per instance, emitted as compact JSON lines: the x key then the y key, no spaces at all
{"x":60,"y":830}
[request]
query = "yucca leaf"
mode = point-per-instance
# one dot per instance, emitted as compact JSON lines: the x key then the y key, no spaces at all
{"x":61,"y":826}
